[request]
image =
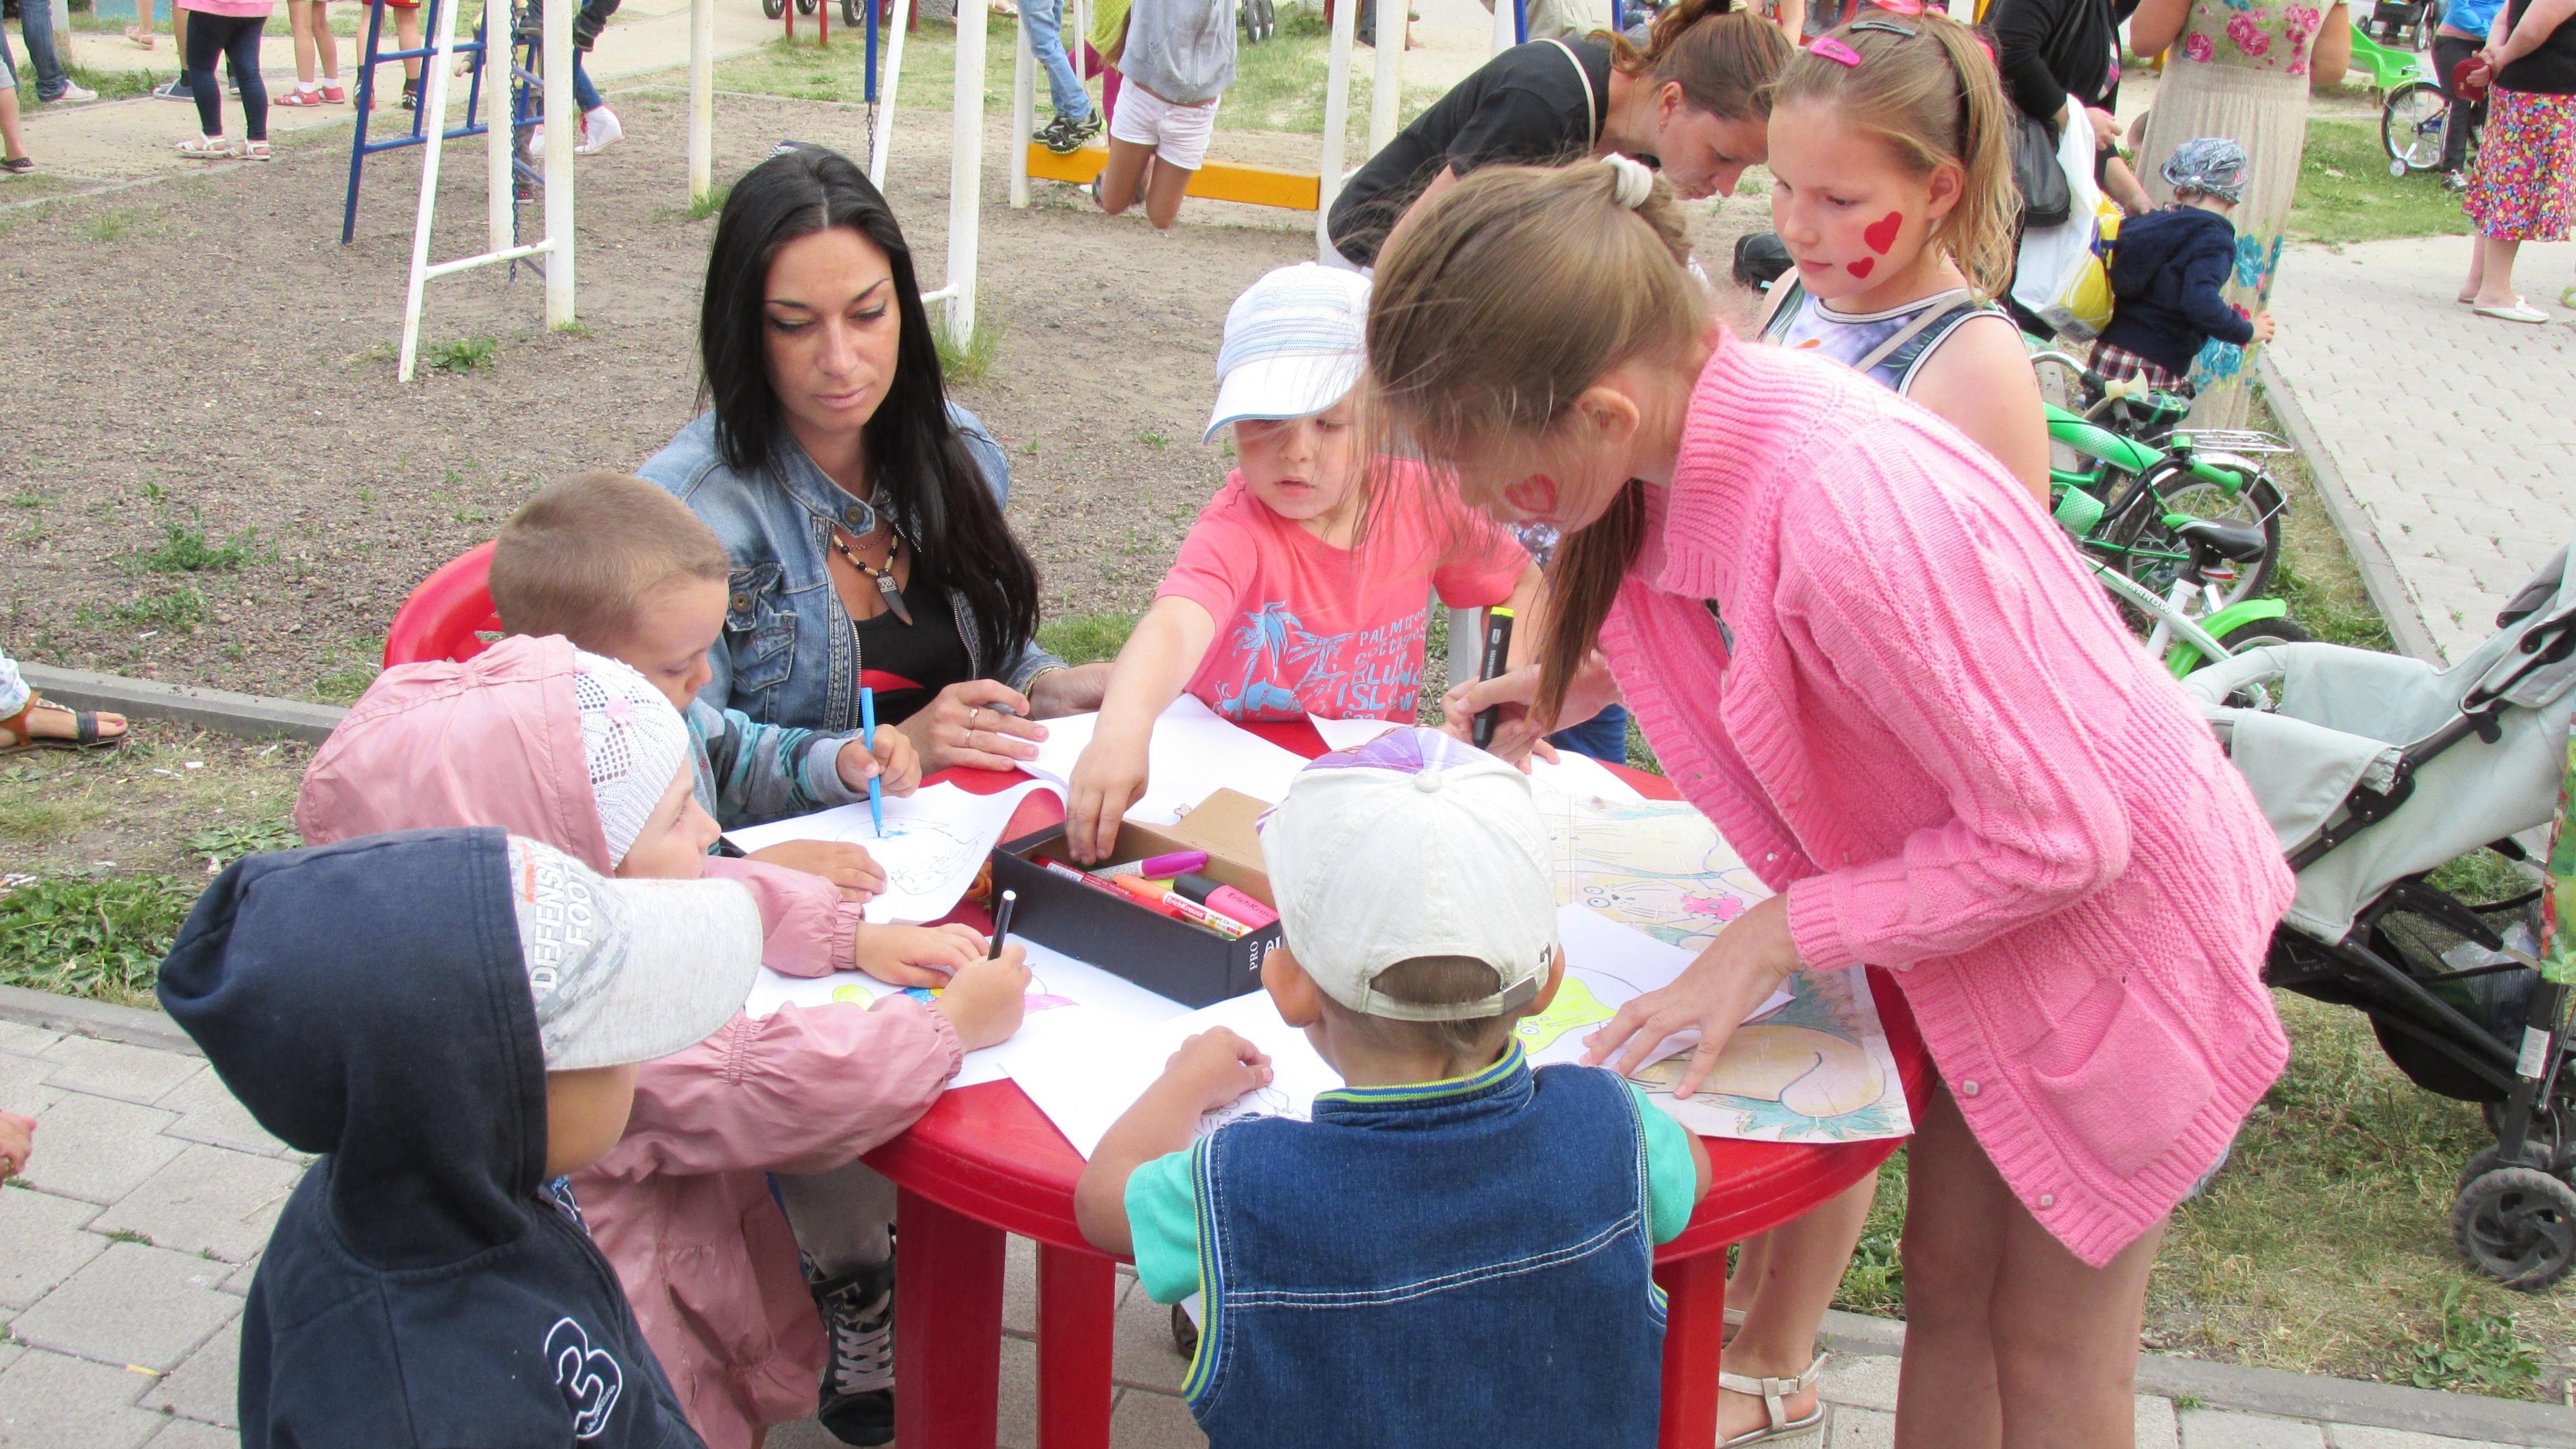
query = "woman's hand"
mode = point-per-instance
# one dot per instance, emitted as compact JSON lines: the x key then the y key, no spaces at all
{"x":848,"y":866}
{"x":2106,"y":128}
{"x":1737,"y":973}
{"x":895,"y":762}
{"x":1516,"y":734}
{"x":1107,"y":780}
{"x":979,"y":724}
{"x":1073,"y":690}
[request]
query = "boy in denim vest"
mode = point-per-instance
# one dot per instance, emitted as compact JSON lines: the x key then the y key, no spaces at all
{"x":1456,"y":1249}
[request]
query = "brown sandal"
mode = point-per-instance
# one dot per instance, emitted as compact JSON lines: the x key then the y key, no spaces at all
{"x":85,"y":735}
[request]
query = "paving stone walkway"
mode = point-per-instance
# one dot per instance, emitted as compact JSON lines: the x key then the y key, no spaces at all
{"x":126,"y":1247}
{"x":2450,"y":432}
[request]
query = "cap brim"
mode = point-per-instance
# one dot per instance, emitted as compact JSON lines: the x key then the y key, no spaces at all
{"x":693,"y":951}
{"x":1293,"y":386}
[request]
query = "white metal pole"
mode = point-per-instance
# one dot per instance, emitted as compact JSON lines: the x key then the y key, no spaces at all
{"x":1506,"y":27}
{"x":564,"y":127}
{"x":1080,"y":37}
{"x":1337,"y":93}
{"x":1024,"y":104}
{"x":1386,"y":85}
{"x":965,"y":171}
{"x":883,"y":141}
{"x":702,"y":100}
{"x":436,"y":102}
{"x":499,"y":134}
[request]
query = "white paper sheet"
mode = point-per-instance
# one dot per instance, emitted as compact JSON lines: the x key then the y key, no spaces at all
{"x":1076,"y":1011}
{"x":1194,"y":753}
{"x":935,"y":840}
{"x":1348,"y":734}
{"x":1580,"y":776}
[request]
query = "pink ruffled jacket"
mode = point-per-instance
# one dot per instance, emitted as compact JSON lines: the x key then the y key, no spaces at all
{"x":1892,"y":684}
{"x":680,"y":1205}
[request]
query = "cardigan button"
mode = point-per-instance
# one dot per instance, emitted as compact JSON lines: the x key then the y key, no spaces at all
{"x":2048,"y":1199}
{"x":1769,"y":858}
{"x":1968,"y":1088}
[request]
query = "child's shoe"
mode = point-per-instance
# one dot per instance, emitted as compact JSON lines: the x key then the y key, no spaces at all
{"x":174,"y":90}
{"x":1064,"y":135}
{"x":599,"y":131}
{"x":333,"y":95}
{"x":411,"y":95}
{"x":858,"y":1384}
{"x":298,"y":98}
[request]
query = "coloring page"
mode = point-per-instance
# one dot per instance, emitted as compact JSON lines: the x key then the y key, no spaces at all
{"x":935,"y":840}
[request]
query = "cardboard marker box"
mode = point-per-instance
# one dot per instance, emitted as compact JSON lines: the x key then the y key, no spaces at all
{"x":1188,"y":963}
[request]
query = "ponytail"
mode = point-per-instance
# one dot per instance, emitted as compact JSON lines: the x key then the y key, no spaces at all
{"x":1499,"y":302}
{"x":1936,"y":97}
{"x":1723,"y":59}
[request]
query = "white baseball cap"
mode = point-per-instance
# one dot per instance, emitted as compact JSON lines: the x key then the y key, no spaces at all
{"x":628,"y":970}
{"x":1295,"y":343}
{"x":1414,"y":844}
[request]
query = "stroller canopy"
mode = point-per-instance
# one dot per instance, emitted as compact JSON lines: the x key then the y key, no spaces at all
{"x":2345,"y":723}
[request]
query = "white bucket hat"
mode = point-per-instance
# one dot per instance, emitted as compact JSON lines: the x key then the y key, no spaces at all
{"x":1295,"y":343}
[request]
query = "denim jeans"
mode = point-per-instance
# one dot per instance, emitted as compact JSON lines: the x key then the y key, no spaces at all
{"x":584,"y":94}
{"x":36,"y":23}
{"x":1046,"y":40}
{"x":1603,"y":737}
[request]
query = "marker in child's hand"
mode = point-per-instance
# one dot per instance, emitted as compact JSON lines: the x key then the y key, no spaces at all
{"x":1498,"y":649}
{"x":1002,"y":923}
{"x":868,"y":742}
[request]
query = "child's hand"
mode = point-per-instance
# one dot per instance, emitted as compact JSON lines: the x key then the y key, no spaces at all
{"x":916,"y":955}
{"x":17,"y":1141}
{"x":2262,"y":326}
{"x":986,"y":998}
{"x":1108,"y":778}
{"x":1215,"y":1067}
{"x":895,"y":762}
{"x":848,"y":866}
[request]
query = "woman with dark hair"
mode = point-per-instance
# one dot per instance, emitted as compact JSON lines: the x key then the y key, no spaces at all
{"x":863,"y":509}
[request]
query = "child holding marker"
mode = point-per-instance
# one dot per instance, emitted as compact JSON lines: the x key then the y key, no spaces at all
{"x":1452,"y":1223}
{"x":1277,"y":606}
{"x":1892,"y":189}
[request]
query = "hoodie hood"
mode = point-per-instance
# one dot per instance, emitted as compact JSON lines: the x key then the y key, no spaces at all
{"x":427,"y":1090}
{"x":495,"y":740}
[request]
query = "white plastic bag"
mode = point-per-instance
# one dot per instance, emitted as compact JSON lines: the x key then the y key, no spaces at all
{"x":2054,"y":259}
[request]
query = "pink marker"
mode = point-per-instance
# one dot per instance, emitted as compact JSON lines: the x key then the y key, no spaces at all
{"x":1216,"y":896}
{"x":1160,"y":867}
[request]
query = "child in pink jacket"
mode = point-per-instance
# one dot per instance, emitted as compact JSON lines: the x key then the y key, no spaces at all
{"x":581,"y":752}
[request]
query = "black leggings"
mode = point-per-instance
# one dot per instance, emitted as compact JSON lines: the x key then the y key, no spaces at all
{"x":2448,"y":53}
{"x":236,"y":36}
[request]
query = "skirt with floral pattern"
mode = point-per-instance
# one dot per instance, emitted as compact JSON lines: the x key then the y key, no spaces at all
{"x":2524,"y":185}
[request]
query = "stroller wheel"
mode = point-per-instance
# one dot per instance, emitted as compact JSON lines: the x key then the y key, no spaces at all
{"x":2491,"y":1159}
{"x":2518,"y":1225}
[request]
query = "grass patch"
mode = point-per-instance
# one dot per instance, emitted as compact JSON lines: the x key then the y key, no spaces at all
{"x":99,"y":938}
{"x":221,"y":845}
{"x":970,"y":360}
{"x":1087,"y":638}
{"x":463,"y":355}
{"x":2316,"y":576}
{"x":2346,"y":194}
{"x":184,"y":549}
{"x":179,"y":611}
{"x":109,"y":226}
{"x":707,"y":205}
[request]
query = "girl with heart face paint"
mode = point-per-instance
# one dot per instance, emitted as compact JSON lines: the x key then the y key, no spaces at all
{"x":1892,"y":190}
{"x":1897,"y":691}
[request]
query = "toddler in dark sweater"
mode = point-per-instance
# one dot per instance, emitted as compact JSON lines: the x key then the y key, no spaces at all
{"x":2169,"y":273}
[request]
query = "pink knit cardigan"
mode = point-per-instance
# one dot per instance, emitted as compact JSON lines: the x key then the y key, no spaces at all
{"x":1890,"y":681}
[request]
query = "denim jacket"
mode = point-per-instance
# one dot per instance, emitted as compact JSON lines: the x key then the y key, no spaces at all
{"x":1462,"y":1262}
{"x":787,"y":656}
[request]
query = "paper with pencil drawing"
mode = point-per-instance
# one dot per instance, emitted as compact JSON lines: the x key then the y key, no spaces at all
{"x":935,"y":841}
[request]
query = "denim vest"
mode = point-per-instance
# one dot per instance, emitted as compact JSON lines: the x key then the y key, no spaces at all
{"x":1423,"y":1267}
{"x":787,"y":656}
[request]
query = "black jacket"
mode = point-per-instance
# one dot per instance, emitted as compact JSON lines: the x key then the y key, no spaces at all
{"x":2050,"y":49}
{"x":2167,"y":274}
{"x":368,"y":1001}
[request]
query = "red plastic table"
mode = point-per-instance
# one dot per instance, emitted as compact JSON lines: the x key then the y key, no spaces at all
{"x":985,"y":1162}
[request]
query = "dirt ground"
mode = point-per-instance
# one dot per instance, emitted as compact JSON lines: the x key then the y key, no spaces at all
{"x":211,"y":474}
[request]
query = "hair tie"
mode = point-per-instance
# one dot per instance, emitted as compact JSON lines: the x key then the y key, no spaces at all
{"x":1633,"y":180}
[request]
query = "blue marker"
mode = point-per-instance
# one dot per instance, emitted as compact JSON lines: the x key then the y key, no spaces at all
{"x":868,"y":742}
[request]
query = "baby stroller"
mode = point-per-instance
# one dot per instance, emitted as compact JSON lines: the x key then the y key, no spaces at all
{"x":2375,"y":770}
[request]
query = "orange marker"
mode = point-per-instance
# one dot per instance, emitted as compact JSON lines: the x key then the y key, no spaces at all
{"x":1178,"y":907}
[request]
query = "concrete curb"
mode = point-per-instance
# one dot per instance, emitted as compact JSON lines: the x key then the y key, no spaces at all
{"x":2378,"y":572}
{"x":132,"y":1025}
{"x":221,"y":710}
{"x":2288,"y":1395}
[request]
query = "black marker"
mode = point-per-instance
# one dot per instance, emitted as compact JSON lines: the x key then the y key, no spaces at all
{"x":1498,"y":649}
{"x":1002,"y":923}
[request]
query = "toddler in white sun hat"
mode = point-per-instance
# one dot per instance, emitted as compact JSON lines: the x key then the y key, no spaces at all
{"x":1377,"y":1271}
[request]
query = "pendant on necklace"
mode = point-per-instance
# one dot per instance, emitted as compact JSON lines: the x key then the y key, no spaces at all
{"x":893,"y":596}
{"x":883,"y":578}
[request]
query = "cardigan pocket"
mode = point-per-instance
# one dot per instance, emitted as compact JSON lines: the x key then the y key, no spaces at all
{"x":2128,"y":1097}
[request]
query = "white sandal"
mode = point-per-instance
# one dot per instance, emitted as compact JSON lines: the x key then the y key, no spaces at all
{"x":206,"y":148}
{"x":1775,"y":1394}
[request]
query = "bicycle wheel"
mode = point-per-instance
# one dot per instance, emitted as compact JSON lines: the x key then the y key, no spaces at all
{"x":2410,"y":125}
{"x":773,"y":8}
{"x":2151,"y":555}
{"x":854,"y":14}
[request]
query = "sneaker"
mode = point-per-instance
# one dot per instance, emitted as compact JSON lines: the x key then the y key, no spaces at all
{"x":17,"y":165}
{"x":599,"y":131}
{"x":73,"y":94}
{"x":2455,"y":181}
{"x":411,"y":95}
{"x":174,"y":90}
{"x":858,"y":1386}
{"x":1064,"y":135}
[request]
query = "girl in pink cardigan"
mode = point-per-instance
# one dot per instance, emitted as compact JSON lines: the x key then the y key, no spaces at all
{"x":681,"y":1206}
{"x":1889,"y":681}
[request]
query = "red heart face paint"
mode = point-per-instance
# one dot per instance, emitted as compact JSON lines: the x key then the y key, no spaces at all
{"x":1881,"y":234}
{"x":1863,"y":267}
{"x":1534,"y":496}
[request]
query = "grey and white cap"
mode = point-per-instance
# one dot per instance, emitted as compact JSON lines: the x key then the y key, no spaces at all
{"x":628,"y":970}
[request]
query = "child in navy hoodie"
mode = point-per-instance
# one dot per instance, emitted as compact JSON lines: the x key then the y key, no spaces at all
{"x":451,"y":1018}
{"x":2169,"y":273}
